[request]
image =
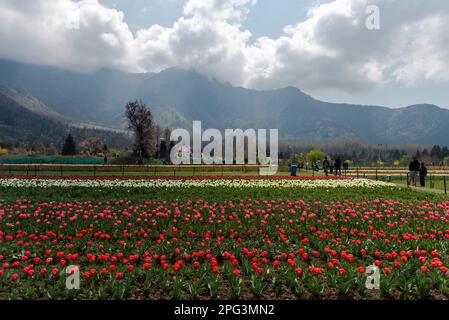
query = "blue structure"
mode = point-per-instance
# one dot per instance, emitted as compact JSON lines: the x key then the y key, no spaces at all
{"x":293,"y":170}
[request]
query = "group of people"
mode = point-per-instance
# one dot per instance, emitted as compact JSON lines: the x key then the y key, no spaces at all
{"x":335,"y":168}
{"x":417,"y":169}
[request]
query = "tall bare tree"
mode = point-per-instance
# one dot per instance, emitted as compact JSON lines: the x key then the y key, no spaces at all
{"x":140,"y":121}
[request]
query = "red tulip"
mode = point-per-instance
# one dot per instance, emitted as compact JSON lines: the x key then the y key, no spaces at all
{"x":119,"y":276}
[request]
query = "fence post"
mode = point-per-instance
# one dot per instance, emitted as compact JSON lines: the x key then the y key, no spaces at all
{"x":408,"y":179}
{"x":60,"y":170}
{"x":445,"y":189}
{"x":95,"y":171}
{"x":357,"y":172}
{"x":376,"y":173}
{"x":123,"y":170}
{"x":194,"y":170}
{"x":174,"y":171}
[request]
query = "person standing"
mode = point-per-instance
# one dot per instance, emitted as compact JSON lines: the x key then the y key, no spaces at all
{"x":337,"y":166}
{"x":326,"y":165}
{"x":422,"y":174}
{"x":413,"y":169}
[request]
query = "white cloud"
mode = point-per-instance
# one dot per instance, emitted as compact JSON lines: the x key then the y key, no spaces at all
{"x":330,"y":49}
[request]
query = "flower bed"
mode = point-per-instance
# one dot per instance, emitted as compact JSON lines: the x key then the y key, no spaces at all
{"x":220,"y":238}
{"x":243,"y":248}
{"x":191,"y":182}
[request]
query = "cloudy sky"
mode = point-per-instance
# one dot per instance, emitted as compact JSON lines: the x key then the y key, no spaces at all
{"x":322,"y":47}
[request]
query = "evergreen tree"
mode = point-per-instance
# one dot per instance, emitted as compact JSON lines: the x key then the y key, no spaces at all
{"x":69,"y":148}
{"x":444,"y":152}
{"x":436,"y":152}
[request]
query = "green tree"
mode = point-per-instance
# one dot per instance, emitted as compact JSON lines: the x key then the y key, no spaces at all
{"x":444,"y":152}
{"x":436,"y":152}
{"x":296,"y":158}
{"x":69,"y":147}
{"x":315,"y":155}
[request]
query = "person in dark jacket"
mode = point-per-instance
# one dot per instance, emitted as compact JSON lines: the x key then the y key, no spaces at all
{"x":422,"y":174}
{"x":414,"y":168}
{"x":337,"y":166}
{"x":326,"y":165}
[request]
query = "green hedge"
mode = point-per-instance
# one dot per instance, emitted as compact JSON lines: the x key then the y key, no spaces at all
{"x":50,"y":160}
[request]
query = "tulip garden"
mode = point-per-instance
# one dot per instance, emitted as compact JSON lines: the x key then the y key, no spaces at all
{"x":218,"y":238}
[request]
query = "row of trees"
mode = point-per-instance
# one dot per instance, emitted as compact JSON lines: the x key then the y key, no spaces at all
{"x":357,"y":152}
{"x":150,"y":140}
{"x":89,"y":147}
{"x":437,"y":153}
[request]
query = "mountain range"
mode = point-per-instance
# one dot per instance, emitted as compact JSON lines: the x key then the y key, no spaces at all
{"x":177,"y":97}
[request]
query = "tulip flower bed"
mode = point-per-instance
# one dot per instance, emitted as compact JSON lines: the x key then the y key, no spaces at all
{"x":235,"y":238}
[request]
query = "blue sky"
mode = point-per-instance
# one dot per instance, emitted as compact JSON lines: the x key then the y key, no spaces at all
{"x":322,"y":47}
